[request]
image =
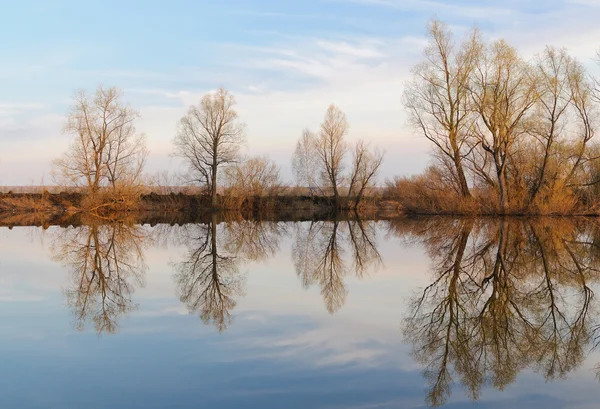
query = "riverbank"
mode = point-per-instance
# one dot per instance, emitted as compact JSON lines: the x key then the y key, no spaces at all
{"x":68,"y":208}
{"x":65,"y":209}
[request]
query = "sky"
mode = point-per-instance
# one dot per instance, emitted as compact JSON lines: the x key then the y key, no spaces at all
{"x":285,"y":61}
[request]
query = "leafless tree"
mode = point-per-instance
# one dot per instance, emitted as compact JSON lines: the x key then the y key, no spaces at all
{"x":304,"y":161}
{"x":210,"y":135}
{"x":106,"y":151}
{"x":365,"y":165}
{"x":586,"y":114}
{"x":548,"y":124}
{"x":504,"y":89}
{"x":437,"y":98}
{"x":331,"y":149}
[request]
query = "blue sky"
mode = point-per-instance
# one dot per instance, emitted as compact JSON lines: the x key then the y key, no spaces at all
{"x":284,"y":60}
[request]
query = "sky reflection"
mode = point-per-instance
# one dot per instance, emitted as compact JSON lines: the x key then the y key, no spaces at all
{"x":260,"y":328}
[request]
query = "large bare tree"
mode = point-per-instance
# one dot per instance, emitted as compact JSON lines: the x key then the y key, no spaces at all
{"x":585,"y":106}
{"x":106,"y":151}
{"x":323,"y":156}
{"x":331,"y":149}
{"x":504,"y":89}
{"x":437,"y":98}
{"x":210,"y":135}
{"x":552,"y":109}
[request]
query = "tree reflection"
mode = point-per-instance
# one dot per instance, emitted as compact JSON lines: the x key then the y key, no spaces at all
{"x":253,"y":240}
{"x":506,"y":295}
{"x":209,"y":280}
{"x":106,"y":264}
{"x":319,"y":256}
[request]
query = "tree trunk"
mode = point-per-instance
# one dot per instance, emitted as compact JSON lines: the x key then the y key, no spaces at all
{"x":462,"y":180}
{"x":213,"y":239}
{"x":465,"y":232}
{"x":460,"y":172}
{"x":336,"y":195}
{"x":213,"y":187}
{"x":359,"y":197}
{"x":336,"y":198}
{"x":502,"y":187}
{"x":541,"y":178}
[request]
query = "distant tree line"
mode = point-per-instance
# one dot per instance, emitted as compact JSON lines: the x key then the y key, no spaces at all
{"x":107,"y":155}
{"x":507,"y":136}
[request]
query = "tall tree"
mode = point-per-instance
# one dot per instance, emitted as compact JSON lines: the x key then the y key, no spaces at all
{"x":304,"y":161}
{"x":210,"y":135}
{"x":331,"y":149}
{"x":586,"y":116}
{"x":437,"y":98}
{"x":106,"y":151}
{"x":553,"y":68}
{"x":504,"y":89}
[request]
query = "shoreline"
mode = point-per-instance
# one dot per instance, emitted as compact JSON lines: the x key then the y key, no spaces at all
{"x":47,"y":209}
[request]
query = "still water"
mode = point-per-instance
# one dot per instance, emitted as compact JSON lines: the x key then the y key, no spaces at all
{"x":329,"y":314}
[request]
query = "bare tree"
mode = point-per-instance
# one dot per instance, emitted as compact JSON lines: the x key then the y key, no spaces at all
{"x":437,"y":98}
{"x":548,"y":124}
{"x":209,"y":136}
{"x":503,"y":91}
{"x":304,"y":161}
{"x":331,"y":150}
{"x":107,"y":151}
{"x":520,"y":133}
{"x":365,"y":165}
{"x":586,"y":114}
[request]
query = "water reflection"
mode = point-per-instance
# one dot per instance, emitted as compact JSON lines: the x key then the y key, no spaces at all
{"x":505,"y":295}
{"x":106,"y":265}
{"x":209,"y":280}
{"x":319,"y":256}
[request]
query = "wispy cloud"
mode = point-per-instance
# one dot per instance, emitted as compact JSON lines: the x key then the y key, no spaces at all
{"x":9,"y":109}
{"x":274,"y":14}
{"x":436,"y":7}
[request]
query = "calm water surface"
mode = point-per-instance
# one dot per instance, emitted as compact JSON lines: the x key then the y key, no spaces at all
{"x":347,"y":314}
